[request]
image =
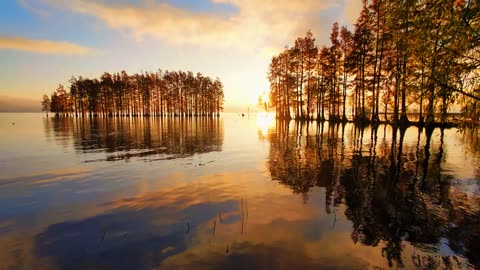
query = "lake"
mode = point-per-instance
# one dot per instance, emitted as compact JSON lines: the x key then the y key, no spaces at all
{"x":235,"y":193}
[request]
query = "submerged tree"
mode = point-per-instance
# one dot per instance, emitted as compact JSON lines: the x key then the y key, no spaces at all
{"x":45,"y":104}
{"x":60,"y":102}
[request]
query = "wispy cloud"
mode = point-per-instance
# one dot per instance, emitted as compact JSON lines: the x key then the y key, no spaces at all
{"x":254,"y":23}
{"x":42,"y":46}
{"x":33,"y":8}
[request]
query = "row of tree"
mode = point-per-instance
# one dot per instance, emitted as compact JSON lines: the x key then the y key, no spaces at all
{"x":403,"y":56}
{"x":169,"y":93}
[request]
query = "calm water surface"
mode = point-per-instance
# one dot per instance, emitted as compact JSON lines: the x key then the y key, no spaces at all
{"x":235,"y":193}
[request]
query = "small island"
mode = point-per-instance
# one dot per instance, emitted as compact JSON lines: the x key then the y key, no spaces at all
{"x":158,"y":94}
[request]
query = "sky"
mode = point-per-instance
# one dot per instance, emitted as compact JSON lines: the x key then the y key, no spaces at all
{"x":43,"y":43}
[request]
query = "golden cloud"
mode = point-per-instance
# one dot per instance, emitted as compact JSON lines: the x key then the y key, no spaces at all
{"x":42,"y":46}
{"x":253,"y":24}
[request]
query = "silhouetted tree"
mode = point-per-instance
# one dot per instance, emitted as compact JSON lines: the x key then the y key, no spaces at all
{"x":160,"y":94}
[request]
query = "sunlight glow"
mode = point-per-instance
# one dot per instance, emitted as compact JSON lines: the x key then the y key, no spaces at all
{"x":265,"y":97}
{"x":265,"y":121}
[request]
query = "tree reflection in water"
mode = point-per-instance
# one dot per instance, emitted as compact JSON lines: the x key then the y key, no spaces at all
{"x":393,"y":191}
{"x":126,"y":138}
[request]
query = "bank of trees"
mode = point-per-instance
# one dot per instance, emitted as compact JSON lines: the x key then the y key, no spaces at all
{"x":162,"y":93}
{"x":403,"y":56}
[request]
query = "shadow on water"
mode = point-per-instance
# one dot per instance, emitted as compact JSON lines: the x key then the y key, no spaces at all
{"x":152,"y":138}
{"x":394,"y":192}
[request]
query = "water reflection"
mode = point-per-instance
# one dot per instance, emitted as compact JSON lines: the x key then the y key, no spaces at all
{"x":136,"y":233}
{"x":150,"y":139}
{"x":265,"y":121}
{"x":396,"y":191}
{"x":211,"y":223}
{"x":343,"y":197}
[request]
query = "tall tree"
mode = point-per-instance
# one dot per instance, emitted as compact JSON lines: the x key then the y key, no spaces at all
{"x":346,"y":43}
{"x":45,"y":104}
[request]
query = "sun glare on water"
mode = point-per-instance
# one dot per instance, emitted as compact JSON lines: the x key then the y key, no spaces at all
{"x":265,"y":121}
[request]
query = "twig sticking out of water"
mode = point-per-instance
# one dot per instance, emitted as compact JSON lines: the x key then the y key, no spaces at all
{"x":188,"y":228}
{"x":104,"y":234}
{"x":241,"y":202}
{"x":214,"y":227}
{"x":246,"y":214}
{"x":220,"y":216}
{"x":334,"y":219}
{"x":244,"y":207}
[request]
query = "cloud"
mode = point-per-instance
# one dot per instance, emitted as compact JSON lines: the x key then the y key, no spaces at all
{"x":252,"y":24}
{"x":35,"y":9}
{"x":42,"y":46}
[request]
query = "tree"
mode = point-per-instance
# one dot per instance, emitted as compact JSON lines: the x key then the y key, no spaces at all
{"x":311,"y":52}
{"x":45,"y":104}
{"x":335,"y":53}
{"x":263,"y":103}
{"x":346,"y":47}
{"x":362,"y":44}
{"x":60,"y":102}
